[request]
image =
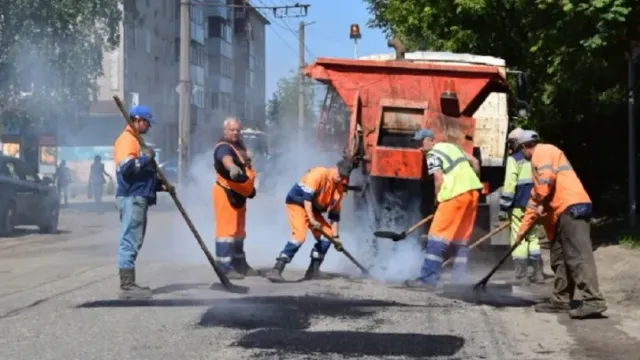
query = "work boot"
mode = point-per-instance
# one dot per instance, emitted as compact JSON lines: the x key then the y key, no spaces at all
{"x":314,"y":273}
{"x":521,"y":272}
{"x":538,"y":276}
{"x":420,"y":284}
{"x":588,"y":309}
{"x":242,"y":267}
{"x":275,"y":275}
{"x":129,"y":289}
{"x":233,"y":274}
{"x":552,"y":307}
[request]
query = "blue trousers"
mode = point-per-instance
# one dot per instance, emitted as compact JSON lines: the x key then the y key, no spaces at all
{"x":291,"y":248}
{"x":433,"y":258}
{"x":133,"y":226}
{"x":228,"y":250}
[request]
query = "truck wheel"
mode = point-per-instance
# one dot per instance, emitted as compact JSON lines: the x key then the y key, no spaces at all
{"x":51,"y":226}
{"x":7,"y":224}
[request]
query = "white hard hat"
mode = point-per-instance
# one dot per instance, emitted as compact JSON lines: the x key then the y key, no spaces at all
{"x":513,"y":135}
{"x":527,"y":136}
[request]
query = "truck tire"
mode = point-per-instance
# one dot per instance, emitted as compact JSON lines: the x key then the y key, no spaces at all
{"x":7,"y":221}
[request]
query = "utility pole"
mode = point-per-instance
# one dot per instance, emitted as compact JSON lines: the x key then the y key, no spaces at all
{"x":184,"y":107}
{"x":354,"y":34}
{"x":301,"y":90}
{"x":632,"y":58}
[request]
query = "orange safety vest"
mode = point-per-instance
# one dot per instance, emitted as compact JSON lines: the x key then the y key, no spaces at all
{"x":243,"y":188}
{"x":556,"y":186}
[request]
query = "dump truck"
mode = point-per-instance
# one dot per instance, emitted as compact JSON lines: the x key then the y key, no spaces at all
{"x":375,"y":104}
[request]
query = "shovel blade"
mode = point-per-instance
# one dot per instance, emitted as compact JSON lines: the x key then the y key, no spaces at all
{"x":389,"y":235}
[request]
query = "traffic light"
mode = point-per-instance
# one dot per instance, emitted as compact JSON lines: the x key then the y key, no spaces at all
{"x":354,"y":32}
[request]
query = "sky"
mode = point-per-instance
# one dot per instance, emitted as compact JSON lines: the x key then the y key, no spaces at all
{"x":328,"y":36}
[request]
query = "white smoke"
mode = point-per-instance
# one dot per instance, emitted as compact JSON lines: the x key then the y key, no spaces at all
{"x":267,"y":226}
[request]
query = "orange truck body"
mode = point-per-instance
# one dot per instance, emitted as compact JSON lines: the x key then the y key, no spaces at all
{"x":389,"y":99}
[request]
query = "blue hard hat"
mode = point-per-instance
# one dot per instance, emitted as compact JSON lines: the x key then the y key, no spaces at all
{"x":143,"y":112}
{"x":423,"y":134}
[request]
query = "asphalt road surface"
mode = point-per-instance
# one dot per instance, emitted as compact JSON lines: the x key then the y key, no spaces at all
{"x":58,"y":300}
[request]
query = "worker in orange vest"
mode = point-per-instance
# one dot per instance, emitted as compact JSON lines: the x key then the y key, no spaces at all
{"x":559,"y":198}
{"x":137,"y":186}
{"x":320,"y":190}
{"x":234,"y":184}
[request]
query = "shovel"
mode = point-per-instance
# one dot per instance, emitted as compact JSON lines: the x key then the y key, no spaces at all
{"x":346,"y":253}
{"x":481,"y":285}
{"x":401,"y":236}
{"x":221,"y":275}
{"x":482,"y":240}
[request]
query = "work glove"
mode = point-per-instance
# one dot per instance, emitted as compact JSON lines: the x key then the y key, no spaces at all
{"x":337,"y":244}
{"x":503,"y":216}
{"x":314,"y":224}
{"x":148,"y":152}
{"x":235,"y":172}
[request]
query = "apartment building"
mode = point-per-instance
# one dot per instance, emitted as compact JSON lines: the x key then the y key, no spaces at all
{"x":236,"y":66}
{"x":227,"y":71}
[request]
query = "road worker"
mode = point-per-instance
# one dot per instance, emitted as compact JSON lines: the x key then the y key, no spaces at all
{"x":514,"y":198}
{"x":137,"y":186}
{"x":455,"y":175}
{"x":234,"y":185}
{"x":320,"y":190}
{"x":559,"y":198}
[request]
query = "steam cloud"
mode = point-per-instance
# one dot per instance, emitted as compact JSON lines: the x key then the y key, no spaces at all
{"x":267,"y":226}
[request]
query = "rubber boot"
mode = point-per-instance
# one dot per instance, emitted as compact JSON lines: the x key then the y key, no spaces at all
{"x":420,"y":284}
{"x":551,"y":307}
{"x":538,"y":276}
{"x":129,"y":289}
{"x":521,"y":272}
{"x":588,"y":309}
{"x":314,"y":273}
{"x":275,"y":275}
{"x":242,"y":267}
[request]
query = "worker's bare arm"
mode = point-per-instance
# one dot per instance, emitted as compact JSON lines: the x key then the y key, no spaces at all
{"x":227,"y":161}
{"x":475,"y":164}
{"x":438,"y":180}
{"x":335,"y":228}
{"x":308,"y":207}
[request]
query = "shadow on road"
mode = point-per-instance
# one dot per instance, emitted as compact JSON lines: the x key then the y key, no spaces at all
{"x":168,"y":289}
{"x":351,"y":343}
{"x":22,"y":232}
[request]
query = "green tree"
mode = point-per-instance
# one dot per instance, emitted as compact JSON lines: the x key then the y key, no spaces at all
{"x":51,"y":55}
{"x":285,"y":98}
{"x":572,"y":51}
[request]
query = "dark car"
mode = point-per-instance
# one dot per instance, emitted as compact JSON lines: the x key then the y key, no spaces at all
{"x":25,"y":199}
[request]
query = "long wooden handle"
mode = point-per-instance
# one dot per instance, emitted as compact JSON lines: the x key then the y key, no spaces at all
{"x":482,"y":240}
{"x":418,"y":224}
{"x":221,"y":275}
{"x":345,"y":252}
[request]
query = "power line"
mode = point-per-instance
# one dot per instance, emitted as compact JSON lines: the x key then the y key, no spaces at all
{"x":288,"y":28}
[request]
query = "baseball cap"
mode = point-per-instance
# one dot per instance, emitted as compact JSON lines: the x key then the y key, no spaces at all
{"x":527,"y":136}
{"x":423,"y":134}
{"x":513,"y":135}
{"x":142,"y":112}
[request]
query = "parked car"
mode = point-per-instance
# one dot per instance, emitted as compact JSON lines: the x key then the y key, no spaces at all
{"x":25,"y":198}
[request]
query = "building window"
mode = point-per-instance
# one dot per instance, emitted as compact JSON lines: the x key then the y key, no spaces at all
{"x":250,"y":79}
{"x":225,"y":102}
{"x":226,"y":67}
{"x":215,"y":100}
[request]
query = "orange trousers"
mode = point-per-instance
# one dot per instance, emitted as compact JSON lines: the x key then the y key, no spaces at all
{"x":454,"y":219}
{"x":299,"y":223}
{"x":229,"y":221}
